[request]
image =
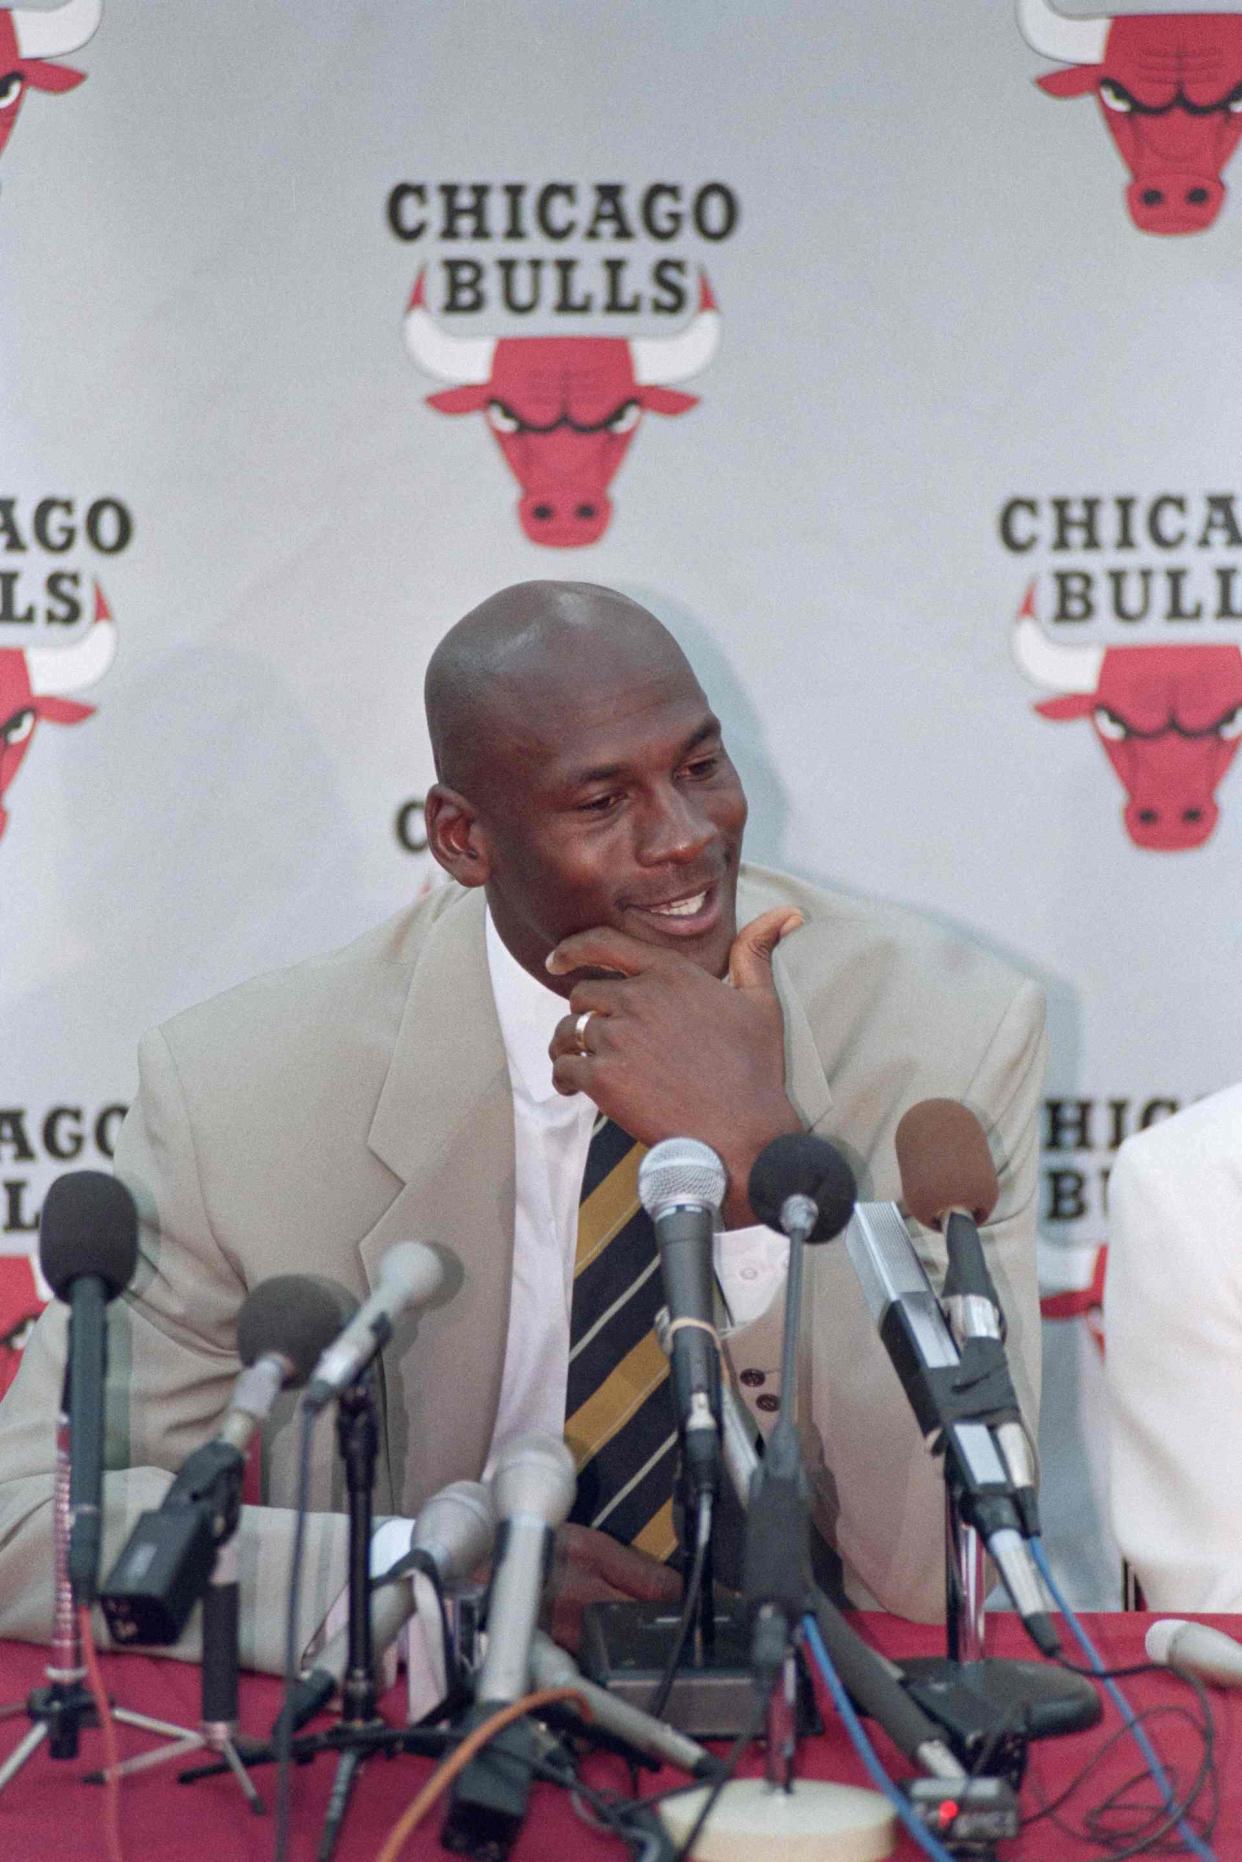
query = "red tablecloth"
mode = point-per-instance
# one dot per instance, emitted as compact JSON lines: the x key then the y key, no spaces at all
{"x":48,"y":1811}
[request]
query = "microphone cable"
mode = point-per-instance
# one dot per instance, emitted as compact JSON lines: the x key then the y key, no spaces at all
{"x":449,"y":1768}
{"x":1175,"y":1811}
{"x":864,"y":1748}
{"x":283,"y":1730}
{"x":107,"y":1728}
{"x":689,"y":1609}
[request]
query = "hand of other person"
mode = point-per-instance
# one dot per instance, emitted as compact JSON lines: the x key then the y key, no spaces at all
{"x":671,"y":1051}
{"x":589,"y":1567}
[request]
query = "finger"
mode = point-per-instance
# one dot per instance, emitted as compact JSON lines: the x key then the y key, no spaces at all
{"x":750,"y":956}
{"x":570,"y":1073}
{"x":566,"y":1038}
{"x":606,"y":995}
{"x":628,"y":1570}
{"x":605,"y":949}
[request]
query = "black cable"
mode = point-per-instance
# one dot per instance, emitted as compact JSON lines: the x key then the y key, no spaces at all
{"x":732,"y":1760}
{"x":1141,"y":1838}
{"x":283,"y":1729}
{"x":689,"y":1605}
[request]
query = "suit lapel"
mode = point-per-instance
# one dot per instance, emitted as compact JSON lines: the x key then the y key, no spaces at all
{"x":444,"y":1125}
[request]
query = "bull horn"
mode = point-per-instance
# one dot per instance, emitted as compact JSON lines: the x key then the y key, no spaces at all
{"x":1070,"y":41}
{"x":54,"y":672}
{"x":466,"y":361}
{"x":1052,"y":664}
{"x":660,"y":360}
{"x":53,"y":30}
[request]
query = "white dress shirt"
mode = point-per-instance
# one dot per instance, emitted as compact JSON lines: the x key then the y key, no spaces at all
{"x":552,"y":1134}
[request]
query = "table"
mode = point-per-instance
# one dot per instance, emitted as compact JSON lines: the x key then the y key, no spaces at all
{"x":48,"y":1812}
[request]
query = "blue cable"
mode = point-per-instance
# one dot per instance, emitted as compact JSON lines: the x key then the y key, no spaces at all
{"x":1189,"y":1836}
{"x":864,"y":1748}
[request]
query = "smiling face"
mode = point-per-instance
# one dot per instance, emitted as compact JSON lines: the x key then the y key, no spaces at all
{"x":601,"y":795}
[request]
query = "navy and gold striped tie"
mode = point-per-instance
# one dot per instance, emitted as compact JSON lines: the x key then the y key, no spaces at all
{"x":618,"y":1406}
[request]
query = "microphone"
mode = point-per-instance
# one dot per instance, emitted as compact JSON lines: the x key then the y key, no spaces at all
{"x":949,"y":1184}
{"x":803,"y":1188}
{"x":533,"y":1488}
{"x":1208,"y":1653}
{"x":411,"y":1274}
{"x":681,"y":1184}
{"x":167,"y":1561}
{"x":88,"y":1249}
{"x":553,"y":1666}
{"x":452,"y":1534}
{"x":914,"y":1333}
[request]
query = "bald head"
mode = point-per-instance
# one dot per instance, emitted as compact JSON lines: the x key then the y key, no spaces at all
{"x":522,"y":658}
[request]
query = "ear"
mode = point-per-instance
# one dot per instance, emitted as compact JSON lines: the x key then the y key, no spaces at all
{"x":667,"y":400}
{"x":466,"y":400}
{"x":1073,"y":705}
{"x":44,"y":77}
{"x":455,"y":836}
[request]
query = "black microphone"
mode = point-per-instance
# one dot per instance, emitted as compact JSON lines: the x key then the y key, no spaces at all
{"x":682,"y":1184}
{"x":166,"y":1563}
{"x":802,"y":1187}
{"x":88,"y":1249}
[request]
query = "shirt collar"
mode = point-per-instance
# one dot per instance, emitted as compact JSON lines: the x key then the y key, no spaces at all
{"x":528,"y":1012}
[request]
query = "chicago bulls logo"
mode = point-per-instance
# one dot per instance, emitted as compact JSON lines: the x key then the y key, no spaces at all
{"x":1169,"y":87}
{"x":20,"y":1306}
{"x":27,"y":39}
{"x":563,"y":409}
{"x":34,"y":683}
{"x":1169,"y":719}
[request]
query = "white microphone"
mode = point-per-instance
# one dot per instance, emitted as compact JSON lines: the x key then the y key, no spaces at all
{"x":411,"y":1274}
{"x":1209,"y":1653}
{"x":452,"y":1535}
{"x":533,"y":1487}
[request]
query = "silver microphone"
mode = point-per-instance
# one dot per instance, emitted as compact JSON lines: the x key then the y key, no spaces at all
{"x":682,"y":1185}
{"x":453,"y":1534}
{"x":411,"y":1274}
{"x":533,"y":1490}
{"x":553,"y":1666}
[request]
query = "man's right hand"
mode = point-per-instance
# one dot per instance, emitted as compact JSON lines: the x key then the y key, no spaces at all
{"x":589,"y":1567}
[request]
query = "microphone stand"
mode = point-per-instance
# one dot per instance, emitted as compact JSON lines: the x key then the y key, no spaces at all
{"x":59,"y":1711}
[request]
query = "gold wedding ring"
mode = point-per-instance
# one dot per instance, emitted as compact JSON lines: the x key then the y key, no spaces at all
{"x":580,"y":1027}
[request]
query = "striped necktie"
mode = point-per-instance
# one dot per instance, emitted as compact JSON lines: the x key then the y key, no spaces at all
{"x":618,"y":1404}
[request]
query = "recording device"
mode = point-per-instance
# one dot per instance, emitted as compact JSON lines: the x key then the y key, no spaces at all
{"x":949,"y":1184}
{"x":913,"y":1331}
{"x":452,"y":1535}
{"x":168,"y":1558}
{"x":411,"y":1274}
{"x":88,"y":1249}
{"x":533,"y":1488}
{"x":1208,"y":1653}
{"x":681,"y":1184}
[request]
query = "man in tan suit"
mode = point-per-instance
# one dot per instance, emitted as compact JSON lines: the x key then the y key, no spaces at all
{"x":588,"y":811}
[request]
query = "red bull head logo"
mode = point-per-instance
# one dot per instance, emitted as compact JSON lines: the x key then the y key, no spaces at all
{"x":1169,"y":719}
{"x":1169,"y":87}
{"x":28,"y":38}
{"x":20,"y":1305}
{"x":34,"y":683}
{"x":563,"y":409}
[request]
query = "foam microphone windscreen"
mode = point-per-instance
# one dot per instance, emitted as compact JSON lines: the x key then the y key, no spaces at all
{"x":89,"y":1225}
{"x":800,"y":1164}
{"x":292,"y":1316}
{"x":943,"y":1157}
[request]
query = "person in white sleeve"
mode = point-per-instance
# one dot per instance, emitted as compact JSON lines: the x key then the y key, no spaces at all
{"x":1173,"y":1330}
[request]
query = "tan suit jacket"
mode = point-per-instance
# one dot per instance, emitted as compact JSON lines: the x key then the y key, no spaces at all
{"x":309,"y":1119}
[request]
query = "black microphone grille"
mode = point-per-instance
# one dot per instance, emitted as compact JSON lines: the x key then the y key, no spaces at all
{"x":295,"y":1316}
{"x":89,"y":1225}
{"x":800,"y":1164}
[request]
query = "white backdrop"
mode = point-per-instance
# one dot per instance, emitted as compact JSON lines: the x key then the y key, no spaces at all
{"x":933,"y":301}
